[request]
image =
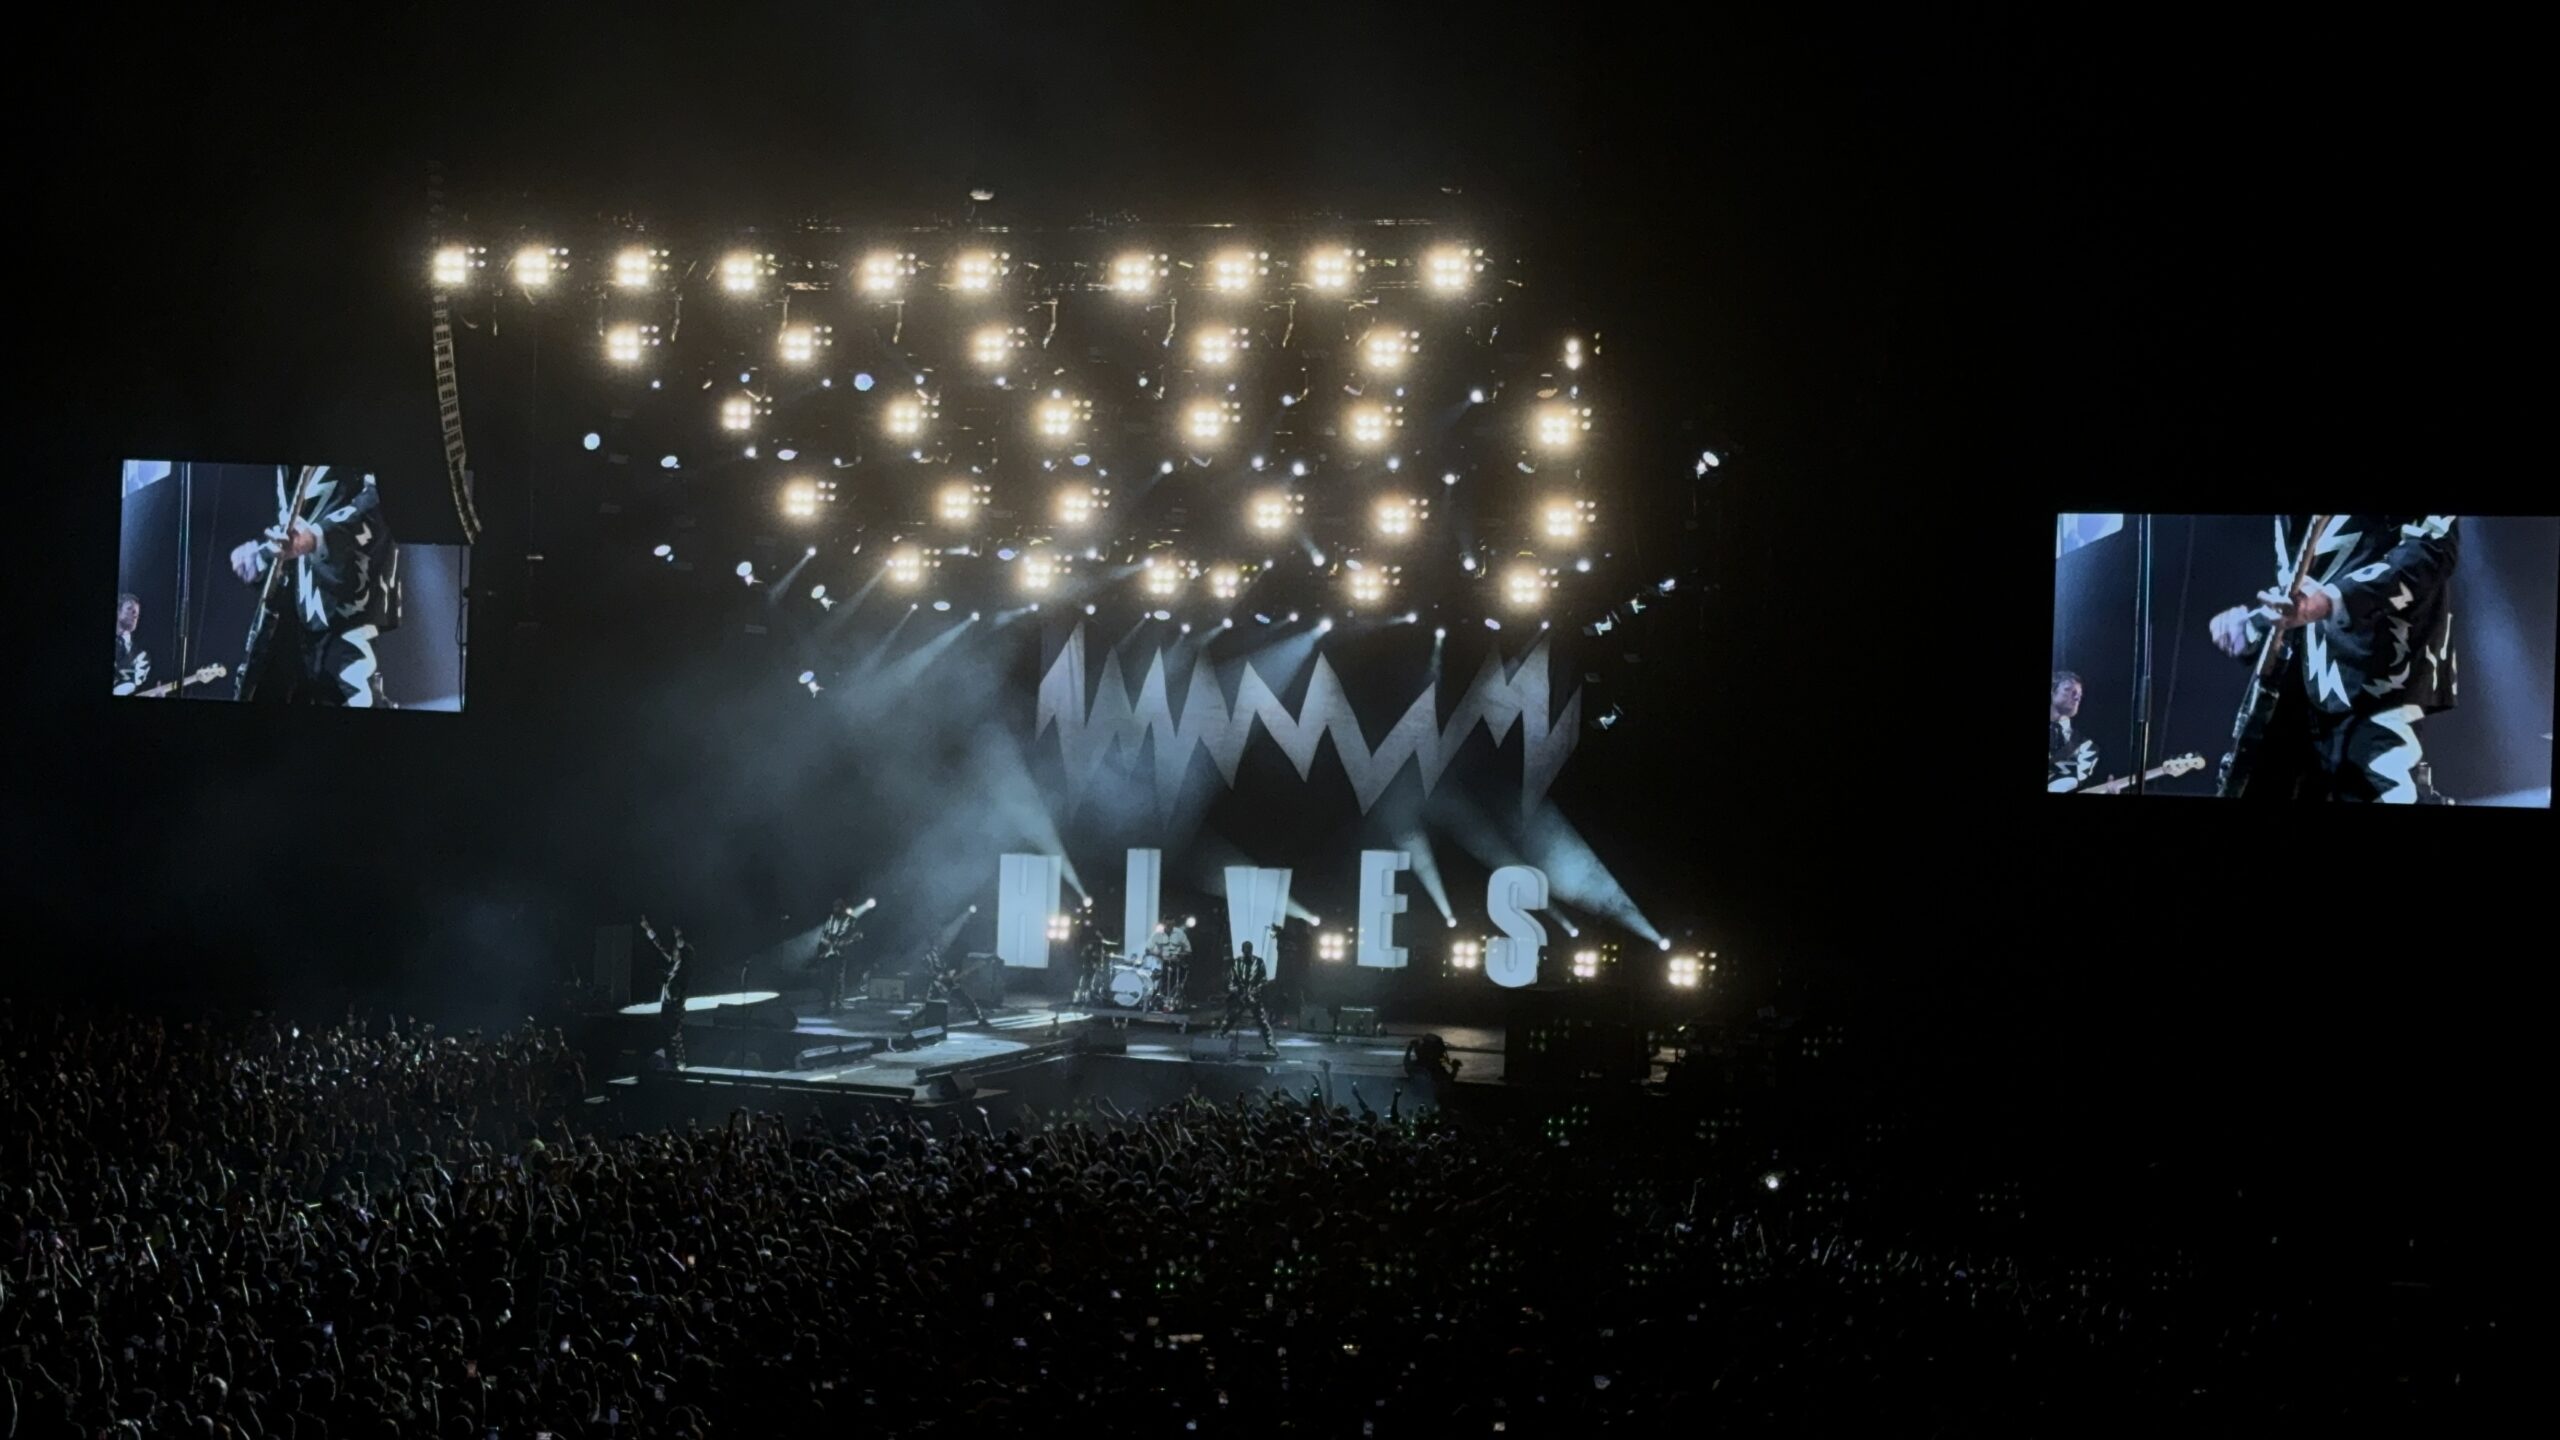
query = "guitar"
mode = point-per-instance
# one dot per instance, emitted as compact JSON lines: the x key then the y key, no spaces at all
{"x":262,"y":627}
{"x":210,"y":672}
{"x":2258,"y":703}
{"x":2183,"y":765}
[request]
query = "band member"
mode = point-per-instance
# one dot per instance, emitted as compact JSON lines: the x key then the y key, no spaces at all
{"x":674,"y":988}
{"x":1245,"y":979}
{"x":133,"y":664}
{"x":836,"y":937}
{"x":2069,"y":758}
{"x":1093,"y":962}
{"x":1173,"y":952}
{"x":942,"y":982}
{"x":2370,"y":654}
{"x":338,"y":592}
{"x":1427,"y":1058}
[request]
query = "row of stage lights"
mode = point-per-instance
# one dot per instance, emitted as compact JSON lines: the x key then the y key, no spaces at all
{"x":1058,"y":420}
{"x":1164,"y":578}
{"x":1449,"y":270}
{"x":1271,"y":513}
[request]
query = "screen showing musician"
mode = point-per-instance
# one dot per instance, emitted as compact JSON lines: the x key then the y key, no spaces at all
{"x":2357,"y":659}
{"x":282,"y":584}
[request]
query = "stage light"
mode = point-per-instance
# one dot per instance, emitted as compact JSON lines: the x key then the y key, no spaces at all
{"x":1526,"y":586}
{"x":1369,"y":425}
{"x":942,"y":607}
{"x":667,"y":462}
{"x":1466,"y":954}
{"x":1331,"y":270}
{"x":1708,"y":460}
{"x":1059,"y":419}
{"x":905,"y":417}
{"x":1685,"y":972}
{"x":800,"y":500}
{"x":1369,"y":585}
{"x":906,"y":567}
{"x":885,"y":273}
{"x":1225,"y":582}
{"x":1559,"y":427}
{"x":1324,"y":625}
{"x":1397,"y":517}
{"x":454,"y":264}
{"x":1062,"y":928}
{"x":992,"y":346}
{"x":592,"y":440}
{"x":741,"y":272}
{"x":1039,"y":573}
{"x":535,"y":266}
{"x":1440,"y":632}
{"x":801,"y":343}
{"x":1205,"y":422}
{"x":1450,"y":269}
{"x":1273,"y":511}
{"x":1774,"y":1179}
{"x":624,"y":344}
{"x":1161,"y":615}
{"x":1586,"y":964}
{"x":747,"y":571}
{"x":819,"y":594}
{"x":637,"y":267}
{"x":1234,"y":272}
{"x":666,"y":553}
{"x":1163,"y":578}
{"x":1572,"y":353}
{"x":1216,"y":346}
{"x":1563,"y":519}
{"x":1385,"y":351}
{"x":809,"y":678}
{"x":1136,"y":274}
{"x":958,"y":503}
{"x":1332,"y":946}
{"x":975,"y":273}
{"x":738,"y":413}
{"x":1078,"y":505}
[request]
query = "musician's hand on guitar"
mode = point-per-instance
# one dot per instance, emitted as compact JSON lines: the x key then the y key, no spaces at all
{"x":2308,"y":605}
{"x":2231,"y":631}
{"x":244,"y":561}
{"x":302,"y":541}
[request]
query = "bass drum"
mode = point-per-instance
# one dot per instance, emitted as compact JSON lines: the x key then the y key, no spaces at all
{"x":1130,"y":985}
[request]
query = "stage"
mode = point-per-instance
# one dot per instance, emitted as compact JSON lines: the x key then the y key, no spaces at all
{"x":908,"y":1054}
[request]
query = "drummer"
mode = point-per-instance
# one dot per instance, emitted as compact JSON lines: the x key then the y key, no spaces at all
{"x":1172,"y":947}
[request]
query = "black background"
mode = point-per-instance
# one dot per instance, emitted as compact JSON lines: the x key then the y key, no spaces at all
{"x":1926,"y":287}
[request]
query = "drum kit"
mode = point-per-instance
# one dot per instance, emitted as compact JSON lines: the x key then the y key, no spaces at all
{"x":1151,"y":980}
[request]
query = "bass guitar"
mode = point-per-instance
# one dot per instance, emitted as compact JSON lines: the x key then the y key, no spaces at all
{"x":210,"y":672}
{"x":2183,"y":765}
{"x":2258,"y":704}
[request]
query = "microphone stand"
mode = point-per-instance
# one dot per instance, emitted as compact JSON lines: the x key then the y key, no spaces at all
{"x":2142,"y":627}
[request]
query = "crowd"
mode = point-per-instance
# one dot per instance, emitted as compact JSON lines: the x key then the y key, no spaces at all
{"x":255,"y":1230}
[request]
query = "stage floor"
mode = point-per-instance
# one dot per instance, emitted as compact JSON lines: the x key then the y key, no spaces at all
{"x":1044,"y":1035}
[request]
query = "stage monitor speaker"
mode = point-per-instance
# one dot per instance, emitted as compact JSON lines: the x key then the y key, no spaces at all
{"x":613,"y":964}
{"x":889,"y":988}
{"x":1355,"y":1020}
{"x":1568,"y":1048}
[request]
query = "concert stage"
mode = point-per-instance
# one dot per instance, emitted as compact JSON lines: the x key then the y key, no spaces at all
{"x":906,"y":1055}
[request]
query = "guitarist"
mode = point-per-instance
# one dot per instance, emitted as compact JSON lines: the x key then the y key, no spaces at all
{"x":2369,"y":639}
{"x":332,"y":578}
{"x":133,"y":664}
{"x":1245,"y":979}
{"x":2069,"y":758}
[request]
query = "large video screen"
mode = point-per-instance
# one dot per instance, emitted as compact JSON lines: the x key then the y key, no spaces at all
{"x":2390,"y":659}
{"x":283,"y":585}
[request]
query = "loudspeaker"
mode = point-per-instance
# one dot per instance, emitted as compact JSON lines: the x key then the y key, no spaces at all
{"x":1565,"y":1047}
{"x":891,"y":988}
{"x":1355,"y":1020}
